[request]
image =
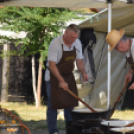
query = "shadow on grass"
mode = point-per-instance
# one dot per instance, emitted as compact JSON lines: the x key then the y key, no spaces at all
{"x":35,"y":125}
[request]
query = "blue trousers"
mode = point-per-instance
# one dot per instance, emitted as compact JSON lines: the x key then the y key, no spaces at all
{"x":52,"y":114}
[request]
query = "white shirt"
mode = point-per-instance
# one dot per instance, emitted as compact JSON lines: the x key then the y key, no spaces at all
{"x":132,"y":50}
{"x":55,"y":52}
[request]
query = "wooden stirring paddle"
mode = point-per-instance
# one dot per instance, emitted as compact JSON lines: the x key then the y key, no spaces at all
{"x":115,"y":104}
{"x":69,"y":91}
{"x":130,"y":124}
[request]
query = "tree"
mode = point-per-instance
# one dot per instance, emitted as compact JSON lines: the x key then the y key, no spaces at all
{"x":41,"y":26}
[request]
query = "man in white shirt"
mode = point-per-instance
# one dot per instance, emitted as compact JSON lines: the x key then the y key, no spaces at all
{"x":63,"y":51}
{"x":118,"y":41}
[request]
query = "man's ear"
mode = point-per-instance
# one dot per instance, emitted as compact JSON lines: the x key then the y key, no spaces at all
{"x":120,"y":42}
{"x":65,"y":31}
{"x":128,"y":41}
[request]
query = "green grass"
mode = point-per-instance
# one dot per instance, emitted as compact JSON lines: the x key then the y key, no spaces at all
{"x":32,"y":117}
{"x":127,"y":114}
{"x":35,"y":119}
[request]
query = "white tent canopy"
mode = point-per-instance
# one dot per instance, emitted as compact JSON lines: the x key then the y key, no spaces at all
{"x":121,"y":18}
{"x":64,"y":3}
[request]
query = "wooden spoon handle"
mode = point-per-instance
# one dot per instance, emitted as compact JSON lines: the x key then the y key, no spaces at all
{"x":130,"y":124}
{"x":115,"y":104}
{"x":69,"y":91}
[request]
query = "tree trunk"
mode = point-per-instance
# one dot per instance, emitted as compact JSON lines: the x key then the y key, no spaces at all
{"x":5,"y":74}
{"x":34,"y":81}
{"x":39,"y":82}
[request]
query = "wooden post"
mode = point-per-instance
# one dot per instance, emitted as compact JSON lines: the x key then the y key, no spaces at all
{"x":39,"y":83}
{"x":34,"y":81}
{"x":5,"y":66}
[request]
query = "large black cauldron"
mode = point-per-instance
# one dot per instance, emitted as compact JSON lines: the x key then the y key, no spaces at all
{"x":80,"y":114}
{"x":86,"y":119}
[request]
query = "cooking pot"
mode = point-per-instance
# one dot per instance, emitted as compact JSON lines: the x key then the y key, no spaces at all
{"x":106,"y":125}
{"x":122,"y":130}
{"x":116,"y":123}
{"x":80,"y":114}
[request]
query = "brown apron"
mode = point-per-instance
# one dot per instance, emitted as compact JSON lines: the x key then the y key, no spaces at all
{"x":130,"y":61}
{"x":60,"y":98}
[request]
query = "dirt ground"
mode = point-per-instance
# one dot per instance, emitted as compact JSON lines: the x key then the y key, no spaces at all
{"x":46,"y":132}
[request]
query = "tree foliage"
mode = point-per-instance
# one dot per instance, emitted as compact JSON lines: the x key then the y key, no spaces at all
{"x":40,"y":24}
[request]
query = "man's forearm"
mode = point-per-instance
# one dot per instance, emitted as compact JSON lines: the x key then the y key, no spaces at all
{"x":130,"y":71}
{"x":80,"y":66}
{"x":54,"y":70}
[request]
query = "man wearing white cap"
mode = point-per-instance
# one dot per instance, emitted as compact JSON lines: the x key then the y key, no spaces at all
{"x":118,"y":41}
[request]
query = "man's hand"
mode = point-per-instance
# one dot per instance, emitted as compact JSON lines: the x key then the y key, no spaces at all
{"x":63,"y":85}
{"x":128,"y":77}
{"x":85,"y":77}
{"x":131,"y":87}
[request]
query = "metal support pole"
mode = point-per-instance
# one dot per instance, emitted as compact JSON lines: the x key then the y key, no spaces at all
{"x":109,"y":57}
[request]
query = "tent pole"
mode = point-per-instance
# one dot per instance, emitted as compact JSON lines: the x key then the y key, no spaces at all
{"x":109,"y":56}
